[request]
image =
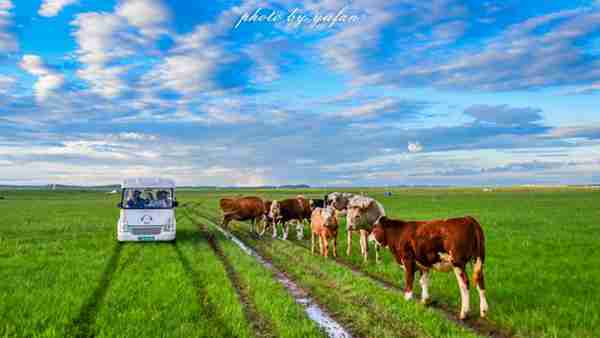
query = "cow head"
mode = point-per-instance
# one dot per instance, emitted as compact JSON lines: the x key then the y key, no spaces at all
{"x":378,"y":233}
{"x":275,"y":211}
{"x":357,"y":215}
{"x":338,"y":200}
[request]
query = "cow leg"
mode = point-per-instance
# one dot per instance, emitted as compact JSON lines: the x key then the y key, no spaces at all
{"x":264,"y":226}
{"x":335,"y":246}
{"x":300,"y":230}
{"x":364,"y":246}
{"x":312,"y":242}
{"x":349,"y":247}
{"x":274,"y":229}
{"x":320,"y":245}
{"x":226,"y":220}
{"x":325,"y":246}
{"x":409,"y":277}
{"x":424,"y":281}
{"x":463,"y":284}
{"x":286,"y":229}
{"x":478,"y":280}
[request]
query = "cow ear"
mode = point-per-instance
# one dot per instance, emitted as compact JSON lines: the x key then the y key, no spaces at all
{"x":366,"y":207}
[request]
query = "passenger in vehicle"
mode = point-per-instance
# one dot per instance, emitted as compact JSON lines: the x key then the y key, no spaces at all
{"x":163,"y":201}
{"x":137,"y":202}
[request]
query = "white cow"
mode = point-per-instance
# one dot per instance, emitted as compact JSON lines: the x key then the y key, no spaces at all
{"x":362,"y":214}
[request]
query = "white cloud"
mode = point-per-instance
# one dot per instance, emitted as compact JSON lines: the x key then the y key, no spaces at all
{"x":103,"y":159}
{"x":415,"y":147}
{"x":6,"y":82}
{"x":370,"y":109}
{"x":137,"y":137}
{"x":48,"y":80}
{"x":104,"y":38}
{"x":211,"y":116}
{"x":53,"y":7}
{"x":590,"y":131}
{"x":267,"y":56}
{"x":583,"y":90}
{"x":103,"y":80}
{"x":8,"y":43}
{"x":149,"y":16}
{"x":192,"y":64}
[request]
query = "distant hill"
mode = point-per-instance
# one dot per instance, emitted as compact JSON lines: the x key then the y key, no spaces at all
{"x":62,"y":187}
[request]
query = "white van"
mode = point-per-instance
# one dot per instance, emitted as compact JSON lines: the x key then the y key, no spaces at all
{"x":147,"y":210}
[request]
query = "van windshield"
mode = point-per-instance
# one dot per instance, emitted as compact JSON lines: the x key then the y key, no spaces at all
{"x":140,"y":198}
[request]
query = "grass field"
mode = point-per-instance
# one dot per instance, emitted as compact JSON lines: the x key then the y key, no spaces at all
{"x":63,"y":274}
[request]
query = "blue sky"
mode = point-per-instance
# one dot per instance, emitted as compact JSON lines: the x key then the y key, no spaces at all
{"x":392,"y":92}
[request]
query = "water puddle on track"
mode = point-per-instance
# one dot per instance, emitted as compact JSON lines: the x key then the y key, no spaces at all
{"x":312,"y":309}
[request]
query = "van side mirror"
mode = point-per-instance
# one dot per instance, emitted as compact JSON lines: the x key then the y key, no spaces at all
{"x":175,"y":204}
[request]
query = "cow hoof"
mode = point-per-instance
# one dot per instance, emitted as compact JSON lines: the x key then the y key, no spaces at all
{"x":483,"y":314}
{"x":463,"y":316}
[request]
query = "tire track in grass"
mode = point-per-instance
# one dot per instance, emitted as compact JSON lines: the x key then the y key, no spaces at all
{"x":314,"y":310}
{"x":478,"y":325}
{"x":372,"y":309}
{"x":261,"y":326}
{"x":83,"y":324}
{"x":208,"y":309}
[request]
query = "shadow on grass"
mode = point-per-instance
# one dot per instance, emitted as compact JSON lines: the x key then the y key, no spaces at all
{"x":83,"y":325}
{"x":189,"y":236}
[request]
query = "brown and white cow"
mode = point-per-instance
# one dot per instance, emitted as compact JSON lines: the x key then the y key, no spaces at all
{"x":249,"y":208}
{"x":324,"y":225}
{"x":292,"y":209}
{"x":339,"y":201}
{"x":441,"y":245}
{"x":362,"y":214}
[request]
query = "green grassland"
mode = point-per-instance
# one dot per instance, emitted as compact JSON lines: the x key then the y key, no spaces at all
{"x":62,"y":272}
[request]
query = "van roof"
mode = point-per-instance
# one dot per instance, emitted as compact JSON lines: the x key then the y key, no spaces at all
{"x":148,"y":182}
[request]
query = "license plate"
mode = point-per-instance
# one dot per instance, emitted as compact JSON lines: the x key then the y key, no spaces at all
{"x":145,"y":238}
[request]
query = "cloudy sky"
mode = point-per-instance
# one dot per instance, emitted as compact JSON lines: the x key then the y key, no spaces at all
{"x":324,"y":92}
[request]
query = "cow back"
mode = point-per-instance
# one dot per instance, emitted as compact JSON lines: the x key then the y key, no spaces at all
{"x":244,"y":207}
{"x":461,"y":238}
{"x":295,"y":208}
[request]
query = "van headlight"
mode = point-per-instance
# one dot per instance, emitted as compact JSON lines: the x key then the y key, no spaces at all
{"x":123,"y":223}
{"x":169,"y":225}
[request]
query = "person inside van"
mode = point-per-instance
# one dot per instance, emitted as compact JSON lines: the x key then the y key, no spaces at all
{"x":137,"y":202}
{"x":162,"y":201}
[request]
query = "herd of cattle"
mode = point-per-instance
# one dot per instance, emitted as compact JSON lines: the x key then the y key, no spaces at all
{"x":441,"y":245}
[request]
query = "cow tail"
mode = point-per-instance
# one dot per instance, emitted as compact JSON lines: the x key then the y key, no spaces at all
{"x":478,"y":278}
